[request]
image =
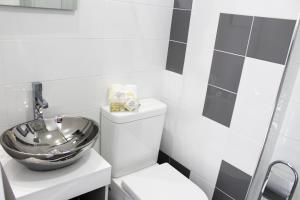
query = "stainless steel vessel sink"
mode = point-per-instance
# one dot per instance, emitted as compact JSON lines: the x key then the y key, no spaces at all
{"x":48,"y":144}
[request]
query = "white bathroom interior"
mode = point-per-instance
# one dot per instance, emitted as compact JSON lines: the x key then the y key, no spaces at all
{"x":216,"y":111}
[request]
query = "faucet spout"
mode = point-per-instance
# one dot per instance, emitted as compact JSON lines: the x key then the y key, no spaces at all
{"x":39,"y":103}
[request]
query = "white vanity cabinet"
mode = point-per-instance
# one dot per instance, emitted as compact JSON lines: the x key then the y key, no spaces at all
{"x":1,"y":185}
{"x":89,"y":173}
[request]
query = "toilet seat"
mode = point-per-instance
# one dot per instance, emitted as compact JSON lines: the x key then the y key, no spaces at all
{"x":159,"y":182}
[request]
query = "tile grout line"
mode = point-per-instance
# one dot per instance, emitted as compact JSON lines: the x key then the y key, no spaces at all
{"x":222,"y":89}
{"x":183,"y":9}
{"x":249,"y":36}
{"x":229,"y":53}
{"x":178,"y":41}
{"x":225,"y":193}
{"x":145,"y":4}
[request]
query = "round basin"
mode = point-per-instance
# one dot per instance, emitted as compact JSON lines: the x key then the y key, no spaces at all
{"x":50,"y":144}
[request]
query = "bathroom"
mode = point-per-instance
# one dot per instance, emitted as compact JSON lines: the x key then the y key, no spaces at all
{"x":226,"y":72}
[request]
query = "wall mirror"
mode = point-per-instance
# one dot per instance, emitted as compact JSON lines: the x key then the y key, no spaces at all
{"x":50,"y":4}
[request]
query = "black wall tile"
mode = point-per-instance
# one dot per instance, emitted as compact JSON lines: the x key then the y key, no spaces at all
{"x":182,"y":169}
{"x":270,"y":39}
{"x":176,"y":57}
{"x":163,"y":158}
{"x":219,"y":195}
{"x":233,"y":33}
{"x":233,"y":181}
{"x":180,"y":25}
{"x":219,"y":105}
{"x":183,"y":4}
{"x":226,"y":71}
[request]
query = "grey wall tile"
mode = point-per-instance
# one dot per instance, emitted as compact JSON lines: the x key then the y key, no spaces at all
{"x":270,"y":39}
{"x":219,"y":105}
{"x":233,"y":33}
{"x":218,"y":195}
{"x":233,"y":181}
{"x":176,"y":57}
{"x":183,"y":4}
{"x":180,"y":25}
{"x":226,"y":71}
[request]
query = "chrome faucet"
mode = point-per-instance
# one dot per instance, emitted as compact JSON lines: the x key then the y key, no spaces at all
{"x":39,"y":104}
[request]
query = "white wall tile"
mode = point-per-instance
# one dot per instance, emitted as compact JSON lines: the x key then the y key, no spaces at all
{"x":291,"y":121}
{"x":256,"y":98}
{"x":278,"y":8}
{"x":171,"y":87}
{"x":242,"y":152}
{"x":169,"y":132}
{"x":77,"y":55}
{"x":72,"y":95}
{"x":19,"y":103}
{"x":203,"y":184}
{"x":103,"y":18}
{"x":3,"y":108}
{"x":168,"y":3}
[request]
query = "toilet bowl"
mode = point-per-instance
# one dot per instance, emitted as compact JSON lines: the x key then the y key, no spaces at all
{"x":130,"y":142}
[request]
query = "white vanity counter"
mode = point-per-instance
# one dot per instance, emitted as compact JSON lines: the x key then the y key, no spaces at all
{"x":1,"y":186}
{"x":89,"y":173}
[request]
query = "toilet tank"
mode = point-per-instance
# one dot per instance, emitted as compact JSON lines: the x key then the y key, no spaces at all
{"x":130,"y":141}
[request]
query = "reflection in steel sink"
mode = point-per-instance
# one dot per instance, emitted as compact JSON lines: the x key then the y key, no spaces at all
{"x":50,"y":143}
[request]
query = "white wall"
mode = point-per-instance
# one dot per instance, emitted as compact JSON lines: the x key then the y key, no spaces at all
{"x":77,"y":55}
{"x":197,"y":142}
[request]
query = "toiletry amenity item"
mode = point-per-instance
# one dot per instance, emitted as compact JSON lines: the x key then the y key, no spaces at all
{"x":123,"y":98}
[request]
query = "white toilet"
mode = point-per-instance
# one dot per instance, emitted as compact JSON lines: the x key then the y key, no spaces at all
{"x":130,"y":143}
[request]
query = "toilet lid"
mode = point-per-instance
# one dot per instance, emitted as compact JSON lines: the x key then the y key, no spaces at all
{"x":161,"y":182}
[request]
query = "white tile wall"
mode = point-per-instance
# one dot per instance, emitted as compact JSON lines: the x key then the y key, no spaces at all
{"x":253,"y":110}
{"x":77,"y":55}
{"x":197,"y":142}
